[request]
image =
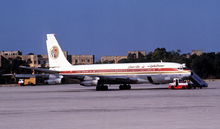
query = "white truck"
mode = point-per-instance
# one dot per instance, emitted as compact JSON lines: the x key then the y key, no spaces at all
{"x":180,"y":84}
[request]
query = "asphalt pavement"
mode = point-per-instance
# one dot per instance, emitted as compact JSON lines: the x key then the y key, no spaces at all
{"x":76,"y":107}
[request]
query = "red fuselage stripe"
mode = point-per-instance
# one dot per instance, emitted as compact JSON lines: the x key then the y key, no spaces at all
{"x":121,"y":70}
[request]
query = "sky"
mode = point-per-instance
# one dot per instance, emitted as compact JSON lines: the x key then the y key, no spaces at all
{"x":110,"y":27}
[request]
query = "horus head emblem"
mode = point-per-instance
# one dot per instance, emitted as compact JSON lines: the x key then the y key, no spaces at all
{"x":54,"y":52}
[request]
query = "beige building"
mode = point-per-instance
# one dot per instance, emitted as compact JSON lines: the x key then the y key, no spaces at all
{"x":116,"y":59}
{"x":42,"y":60}
{"x":137,"y":54}
{"x":197,"y":52}
{"x":82,"y":59}
{"x":112,"y":59}
{"x":73,"y":59}
{"x":32,"y":60}
{"x":10,"y":53}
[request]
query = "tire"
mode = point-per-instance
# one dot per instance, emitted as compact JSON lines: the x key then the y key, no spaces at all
{"x":124,"y":87}
{"x":128,"y":87}
{"x":101,"y":88}
{"x":121,"y":87}
{"x":189,"y":87}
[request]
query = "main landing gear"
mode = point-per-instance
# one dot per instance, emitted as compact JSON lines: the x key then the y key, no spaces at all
{"x":102,"y":87}
{"x":125,"y":87}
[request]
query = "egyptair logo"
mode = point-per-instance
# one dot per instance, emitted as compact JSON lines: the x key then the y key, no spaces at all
{"x":54,"y":52}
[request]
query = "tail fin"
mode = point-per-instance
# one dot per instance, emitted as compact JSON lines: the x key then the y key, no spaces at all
{"x":55,"y":53}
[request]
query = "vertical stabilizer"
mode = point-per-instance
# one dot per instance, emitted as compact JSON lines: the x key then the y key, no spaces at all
{"x":55,"y":54}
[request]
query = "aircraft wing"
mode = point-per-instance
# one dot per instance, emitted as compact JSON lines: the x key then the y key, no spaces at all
{"x":87,"y":78}
{"x":40,"y":69}
{"x":31,"y":75}
{"x":101,"y":77}
{"x":105,"y":79}
{"x":26,"y":75}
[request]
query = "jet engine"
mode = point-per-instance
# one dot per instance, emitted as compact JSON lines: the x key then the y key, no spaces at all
{"x":54,"y":79}
{"x":90,"y":81}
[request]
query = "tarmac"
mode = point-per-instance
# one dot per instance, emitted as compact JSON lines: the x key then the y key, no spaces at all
{"x":76,"y":107}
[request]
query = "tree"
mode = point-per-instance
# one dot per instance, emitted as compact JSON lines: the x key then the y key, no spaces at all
{"x":30,"y":53}
{"x":204,"y":65}
{"x":217,"y":65}
{"x":159,"y":54}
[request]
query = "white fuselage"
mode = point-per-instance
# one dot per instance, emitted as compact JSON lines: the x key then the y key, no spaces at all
{"x":159,"y":72}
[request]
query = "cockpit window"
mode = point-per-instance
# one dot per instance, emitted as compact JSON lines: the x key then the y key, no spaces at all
{"x":180,"y":68}
{"x":185,"y":68}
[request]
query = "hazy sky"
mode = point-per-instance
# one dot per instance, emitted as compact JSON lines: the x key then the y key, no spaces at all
{"x":110,"y":27}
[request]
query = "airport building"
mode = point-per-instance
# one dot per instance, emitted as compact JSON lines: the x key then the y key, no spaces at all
{"x":31,"y":60}
{"x":5,"y":53}
{"x":82,"y":59}
{"x":116,"y":59}
{"x":112,"y":59}
{"x":42,"y":60}
{"x":197,"y":52}
{"x":137,"y":54}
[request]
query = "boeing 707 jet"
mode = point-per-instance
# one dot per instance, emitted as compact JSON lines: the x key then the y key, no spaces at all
{"x":100,"y":75}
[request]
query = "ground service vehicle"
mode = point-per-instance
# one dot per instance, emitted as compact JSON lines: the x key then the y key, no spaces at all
{"x":180,"y":84}
{"x":25,"y":82}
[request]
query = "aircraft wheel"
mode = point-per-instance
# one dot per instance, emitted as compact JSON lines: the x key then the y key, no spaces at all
{"x":125,"y":87}
{"x":105,"y":88}
{"x":189,"y":87}
{"x":101,"y":88}
{"x":128,"y":87}
{"x":121,"y":87}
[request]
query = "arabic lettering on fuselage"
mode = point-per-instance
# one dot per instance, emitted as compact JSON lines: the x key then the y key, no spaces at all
{"x":142,"y":66}
{"x":136,"y":67}
{"x":156,"y":66}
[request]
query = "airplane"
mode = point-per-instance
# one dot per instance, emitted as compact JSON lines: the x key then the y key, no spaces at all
{"x":102,"y":75}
